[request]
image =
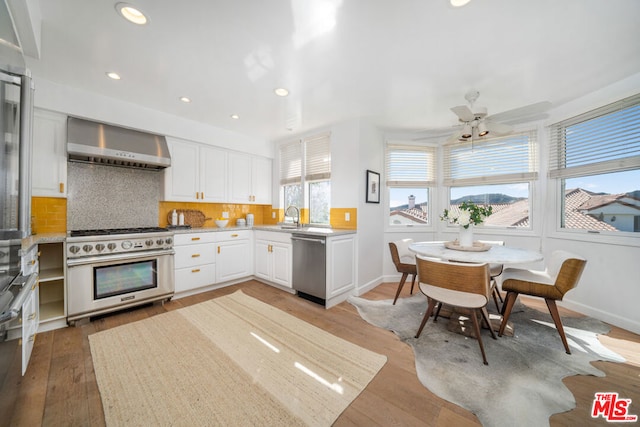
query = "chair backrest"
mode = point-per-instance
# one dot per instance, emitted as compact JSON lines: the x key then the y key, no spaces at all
{"x":400,"y":253}
{"x":566,"y":268}
{"x":463,"y":277}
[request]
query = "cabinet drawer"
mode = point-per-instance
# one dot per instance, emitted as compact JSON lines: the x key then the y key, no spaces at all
{"x":223,"y":236}
{"x":195,"y":277}
{"x":188,"y":256}
{"x":272,"y":236}
{"x":189,"y":238}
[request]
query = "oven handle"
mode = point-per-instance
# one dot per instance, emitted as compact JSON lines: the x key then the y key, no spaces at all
{"x":129,"y":256}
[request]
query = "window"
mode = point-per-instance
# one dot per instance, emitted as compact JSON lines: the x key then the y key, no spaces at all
{"x":410,"y":173}
{"x":305,"y":178}
{"x":596,"y":159}
{"x":497,"y":172}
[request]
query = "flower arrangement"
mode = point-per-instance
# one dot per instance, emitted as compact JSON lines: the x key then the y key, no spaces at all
{"x":468,"y":213}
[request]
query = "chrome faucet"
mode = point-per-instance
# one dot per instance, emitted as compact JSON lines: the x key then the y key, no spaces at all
{"x":296,"y":219}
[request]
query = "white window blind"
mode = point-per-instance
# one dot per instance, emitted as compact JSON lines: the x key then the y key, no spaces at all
{"x":410,"y":165}
{"x":291,"y":163}
{"x":317,"y":158}
{"x":601,"y":141}
{"x":501,"y":160}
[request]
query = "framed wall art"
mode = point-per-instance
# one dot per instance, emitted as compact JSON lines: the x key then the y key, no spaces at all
{"x":373,"y":187}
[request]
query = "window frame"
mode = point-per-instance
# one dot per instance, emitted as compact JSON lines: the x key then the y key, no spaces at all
{"x":308,"y":160}
{"x":559,"y":173}
{"x":528,"y":173}
{"x":425,"y":179}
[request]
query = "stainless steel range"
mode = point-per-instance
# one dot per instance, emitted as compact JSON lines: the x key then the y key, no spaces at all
{"x":112,"y":269}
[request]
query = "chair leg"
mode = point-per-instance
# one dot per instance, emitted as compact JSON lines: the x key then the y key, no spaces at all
{"x":435,"y":317}
{"x":476,"y":327}
{"x":553,"y":309}
{"x":487,"y":319}
{"x":432,"y":304}
{"x":400,"y":285}
{"x":413,"y":282}
{"x":509,"y":300}
{"x":495,"y":294}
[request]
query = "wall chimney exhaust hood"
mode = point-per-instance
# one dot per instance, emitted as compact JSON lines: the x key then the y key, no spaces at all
{"x":93,"y":142}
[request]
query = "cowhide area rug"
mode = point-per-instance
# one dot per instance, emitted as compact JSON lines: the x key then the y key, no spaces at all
{"x":522,"y":385}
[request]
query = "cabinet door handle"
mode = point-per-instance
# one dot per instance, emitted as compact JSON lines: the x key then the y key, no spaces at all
{"x":195,"y":270}
{"x":61,"y":187}
{"x":218,"y":249}
{"x":195,"y":255}
{"x":234,"y":235}
{"x":197,"y":195}
{"x":202,"y":195}
{"x":195,"y":238}
{"x":32,"y":316}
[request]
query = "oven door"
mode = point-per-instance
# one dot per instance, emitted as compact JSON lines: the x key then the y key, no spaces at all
{"x":101,"y":284}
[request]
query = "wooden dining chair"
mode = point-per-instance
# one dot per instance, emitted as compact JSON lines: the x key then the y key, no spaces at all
{"x":459,"y":285}
{"x":495,"y":270}
{"x":562,"y":275}
{"x":405,"y":262}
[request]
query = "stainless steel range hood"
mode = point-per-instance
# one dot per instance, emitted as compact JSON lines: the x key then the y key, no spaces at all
{"x":93,"y":142}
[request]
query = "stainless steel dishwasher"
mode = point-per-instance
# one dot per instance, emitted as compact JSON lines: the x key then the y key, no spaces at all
{"x":310,"y":267}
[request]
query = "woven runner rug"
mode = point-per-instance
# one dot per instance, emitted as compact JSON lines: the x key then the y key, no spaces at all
{"x":232,"y":360}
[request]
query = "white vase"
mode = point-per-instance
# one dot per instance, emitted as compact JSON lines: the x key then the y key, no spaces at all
{"x":465,"y":239}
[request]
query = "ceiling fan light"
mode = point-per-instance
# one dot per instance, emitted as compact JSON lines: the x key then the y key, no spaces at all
{"x":458,"y":3}
{"x":466,"y":131}
{"x":482,"y":129}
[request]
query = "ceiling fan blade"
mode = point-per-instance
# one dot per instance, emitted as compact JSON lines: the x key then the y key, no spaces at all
{"x":464,"y":113}
{"x":498,"y":128}
{"x":522,"y":114}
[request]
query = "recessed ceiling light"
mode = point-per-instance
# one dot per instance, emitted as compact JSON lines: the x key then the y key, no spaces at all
{"x":458,"y":3}
{"x":185,"y":99}
{"x":281,"y":91}
{"x":131,"y":13}
{"x":113,"y":75}
{"x":235,"y":116}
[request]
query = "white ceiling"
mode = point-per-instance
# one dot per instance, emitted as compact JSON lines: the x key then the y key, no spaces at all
{"x":401,"y":63}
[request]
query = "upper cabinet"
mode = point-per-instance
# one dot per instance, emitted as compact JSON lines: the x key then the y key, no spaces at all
{"x":197,"y":173}
{"x":49,"y":154}
{"x":249,"y":179}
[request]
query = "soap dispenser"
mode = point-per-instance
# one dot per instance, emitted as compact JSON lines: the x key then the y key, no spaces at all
{"x":174,"y":218}
{"x":181,"y":218}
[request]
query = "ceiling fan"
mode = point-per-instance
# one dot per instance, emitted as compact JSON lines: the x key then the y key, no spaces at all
{"x":476,"y":124}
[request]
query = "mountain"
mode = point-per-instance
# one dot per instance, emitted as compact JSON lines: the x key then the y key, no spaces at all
{"x":487,"y":199}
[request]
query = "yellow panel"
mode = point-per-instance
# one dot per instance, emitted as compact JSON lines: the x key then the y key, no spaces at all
{"x":337,"y":218}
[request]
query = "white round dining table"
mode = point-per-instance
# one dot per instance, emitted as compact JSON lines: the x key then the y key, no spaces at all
{"x":497,"y":254}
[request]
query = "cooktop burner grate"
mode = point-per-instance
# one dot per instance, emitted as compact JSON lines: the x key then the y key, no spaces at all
{"x":112,"y":231}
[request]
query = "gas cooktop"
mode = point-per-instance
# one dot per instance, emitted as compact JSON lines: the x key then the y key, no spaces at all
{"x":113,"y":231}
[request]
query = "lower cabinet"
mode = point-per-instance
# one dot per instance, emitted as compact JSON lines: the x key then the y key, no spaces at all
{"x":233,"y":255}
{"x":195,"y":260}
{"x":341,"y":267}
{"x":273,"y":257}
{"x":52,"y":285}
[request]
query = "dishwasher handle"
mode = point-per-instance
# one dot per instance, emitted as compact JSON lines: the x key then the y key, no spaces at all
{"x":308,"y":239}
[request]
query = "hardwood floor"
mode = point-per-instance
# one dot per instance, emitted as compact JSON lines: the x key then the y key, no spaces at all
{"x":59,"y":388}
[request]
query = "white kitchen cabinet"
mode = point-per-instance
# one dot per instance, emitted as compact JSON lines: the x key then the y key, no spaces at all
{"x":194,"y":261}
{"x":30,"y":322}
{"x":198,"y":173}
{"x":249,"y":179}
{"x":341,"y":268}
{"x":273,"y":255}
{"x":233,"y":255}
{"x":49,"y":154}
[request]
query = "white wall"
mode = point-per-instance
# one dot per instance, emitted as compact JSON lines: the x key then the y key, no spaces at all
{"x":75,"y":102}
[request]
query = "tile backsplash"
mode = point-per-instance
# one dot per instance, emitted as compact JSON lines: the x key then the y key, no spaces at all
{"x":111,"y":197}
